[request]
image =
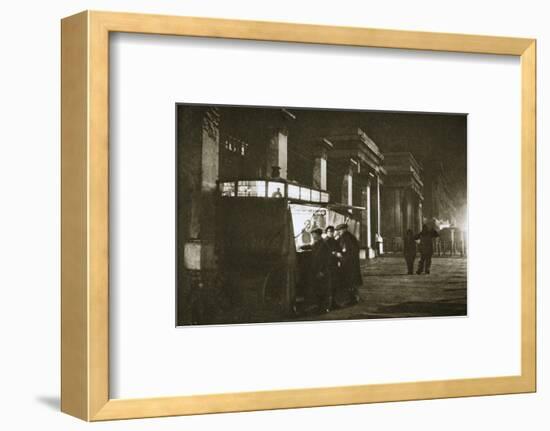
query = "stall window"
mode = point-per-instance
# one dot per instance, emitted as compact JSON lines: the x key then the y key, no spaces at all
{"x":227,"y":189}
{"x":316,"y":196}
{"x":275,"y":189}
{"x":251,"y":189}
{"x":293,"y":191}
{"x":305,"y":194}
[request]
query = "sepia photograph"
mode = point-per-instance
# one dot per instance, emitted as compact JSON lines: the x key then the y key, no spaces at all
{"x":289,"y":214}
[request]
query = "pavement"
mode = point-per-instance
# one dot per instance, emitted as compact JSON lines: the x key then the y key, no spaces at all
{"x":388,"y":292}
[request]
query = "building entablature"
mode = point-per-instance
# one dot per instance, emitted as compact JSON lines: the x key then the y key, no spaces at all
{"x":354,"y":143}
{"x":367,"y":173}
{"x":405,"y":184}
{"x":402,"y":161}
{"x":320,"y":146}
{"x":404,"y":171}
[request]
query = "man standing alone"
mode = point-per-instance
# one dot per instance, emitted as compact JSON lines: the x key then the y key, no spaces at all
{"x":426,"y":237}
{"x":409,"y":250}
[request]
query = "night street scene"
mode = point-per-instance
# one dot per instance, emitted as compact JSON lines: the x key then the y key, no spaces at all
{"x":301,"y":214}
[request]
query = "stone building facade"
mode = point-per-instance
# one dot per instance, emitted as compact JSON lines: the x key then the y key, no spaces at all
{"x":356,"y":180}
{"x":383,"y":192}
{"x":402,"y":199}
{"x":214,"y":143}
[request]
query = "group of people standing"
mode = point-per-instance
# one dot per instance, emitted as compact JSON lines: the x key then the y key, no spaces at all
{"x":334,"y":272}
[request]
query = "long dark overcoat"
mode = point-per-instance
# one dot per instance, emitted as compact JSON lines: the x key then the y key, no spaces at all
{"x":351,"y":268}
{"x":319,"y":273}
{"x":426,"y":237}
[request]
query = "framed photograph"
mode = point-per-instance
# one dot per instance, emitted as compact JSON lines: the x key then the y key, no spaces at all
{"x":263,"y":215}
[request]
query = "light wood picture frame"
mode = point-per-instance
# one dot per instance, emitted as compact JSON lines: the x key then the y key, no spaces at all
{"x":85,"y":216}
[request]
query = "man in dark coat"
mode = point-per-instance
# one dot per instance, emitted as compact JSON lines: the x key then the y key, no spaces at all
{"x":351,"y":268}
{"x":409,"y":250}
{"x":334,"y":267}
{"x":426,"y":237}
{"x":319,"y":273}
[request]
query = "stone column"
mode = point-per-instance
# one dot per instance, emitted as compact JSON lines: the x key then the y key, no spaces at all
{"x":369,"y":213}
{"x":350,"y":188}
{"x":347,"y":184}
{"x":366,"y":218}
{"x":420,"y":216}
{"x":394,"y":218}
{"x":409,"y":211}
{"x":378,"y":237}
{"x":320,"y":150}
{"x":277,"y":154}
{"x":277,"y":149}
{"x":198,"y":165}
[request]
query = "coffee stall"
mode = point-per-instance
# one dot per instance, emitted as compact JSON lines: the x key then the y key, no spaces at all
{"x":264,"y":239}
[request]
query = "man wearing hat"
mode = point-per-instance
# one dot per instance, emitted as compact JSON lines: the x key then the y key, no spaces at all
{"x":334,"y":267}
{"x":426,"y":237}
{"x":319,"y":274}
{"x":351,"y":269}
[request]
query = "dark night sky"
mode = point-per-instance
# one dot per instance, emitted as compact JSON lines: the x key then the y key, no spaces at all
{"x":429,"y":137}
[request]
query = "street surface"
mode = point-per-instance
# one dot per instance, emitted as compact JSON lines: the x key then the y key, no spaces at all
{"x":388,"y":292}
